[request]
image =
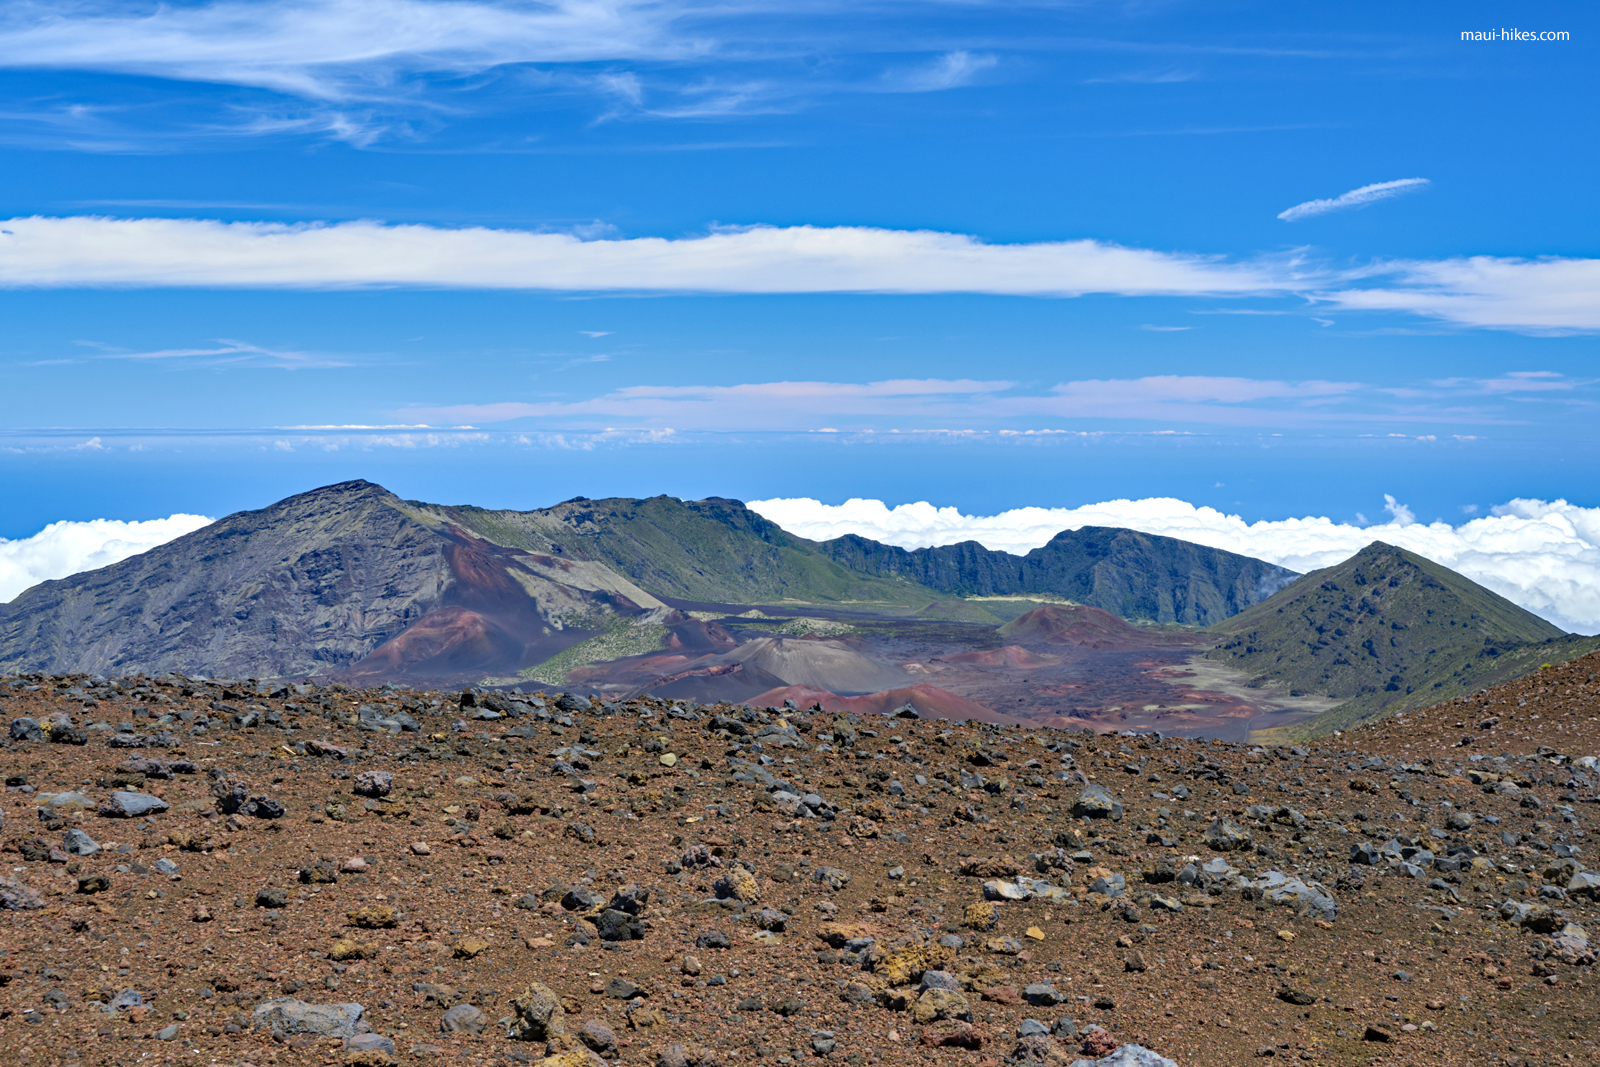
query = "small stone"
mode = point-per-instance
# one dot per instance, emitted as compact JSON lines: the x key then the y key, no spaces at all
{"x":691,"y":965}
{"x":373,"y":917}
{"x":346,"y":949}
{"x":668,"y":759}
{"x":537,"y":1015}
{"x":712,"y":939}
{"x":470,"y":948}
{"x":421,"y":848}
{"x":167,"y":1033}
{"x":622,"y":989}
{"x":737,"y":884}
{"x":79,"y":843}
{"x":463,"y":1018}
{"x":834,"y":878}
{"x":272,"y":898}
{"x":93,"y":883}
{"x":1377,"y":1033}
{"x":1035,"y":933}
{"x":353,"y":865}
{"x":372,"y":784}
{"x":936,"y":1004}
{"x":370,"y":1043}
{"x":599,"y":1037}
{"x":1097,"y":802}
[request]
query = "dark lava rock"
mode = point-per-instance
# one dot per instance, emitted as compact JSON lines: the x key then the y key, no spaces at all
{"x":622,"y":989}
{"x":272,"y":898}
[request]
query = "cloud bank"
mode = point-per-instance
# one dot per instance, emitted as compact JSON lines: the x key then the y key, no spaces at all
{"x":1367,"y":194}
{"x":1542,"y":555}
{"x":1543,"y":295}
{"x":64,"y":548}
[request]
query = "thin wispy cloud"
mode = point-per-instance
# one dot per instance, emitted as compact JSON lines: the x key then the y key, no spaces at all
{"x":336,"y":49}
{"x":1550,"y":295}
{"x":1355,"y":198}
{"x":365,"y":71}
{"x":225,"y":353}
{"x":949,"y":71}
{"x":976,"y":406}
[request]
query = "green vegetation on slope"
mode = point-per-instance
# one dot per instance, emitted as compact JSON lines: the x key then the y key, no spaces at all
{"x":619,"y":641}
{"x":1387,"y":631}
{"x":713,"y":550}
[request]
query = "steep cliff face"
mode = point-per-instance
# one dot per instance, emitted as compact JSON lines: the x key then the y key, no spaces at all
{"x":347,"y":579}
{"x":1130,"y":574}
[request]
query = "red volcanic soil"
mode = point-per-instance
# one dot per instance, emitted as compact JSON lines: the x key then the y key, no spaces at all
{"x":1009,"y":656}
{"x":929,"y":701}
{"x":443,"y":642}
{"x":1083,"y":627}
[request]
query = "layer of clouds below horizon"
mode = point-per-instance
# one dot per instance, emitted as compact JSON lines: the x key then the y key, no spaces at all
{"x":67,"y":547}
{"x":1542,"y":555}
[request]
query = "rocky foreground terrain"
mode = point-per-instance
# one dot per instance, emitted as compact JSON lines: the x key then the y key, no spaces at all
{"x":232,"y":872}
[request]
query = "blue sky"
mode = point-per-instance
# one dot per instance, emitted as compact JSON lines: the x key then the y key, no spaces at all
{"x":1280,"y":259}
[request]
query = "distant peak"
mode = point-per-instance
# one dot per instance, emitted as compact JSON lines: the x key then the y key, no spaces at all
{"x":355,"y":489}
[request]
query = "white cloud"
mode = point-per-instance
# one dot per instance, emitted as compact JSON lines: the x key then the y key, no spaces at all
{"x":64,"y":548}
{"x":810,"y":405}
{"x":949,"y":71}
{"x":227,"y":353}
{"x":1367,"y":194}
{"x":85,"y":250}
{"x":1550,"y":294}
{"x":335,"y":49}
{"x":1545,"y":295}
{"x":1543,"y":555}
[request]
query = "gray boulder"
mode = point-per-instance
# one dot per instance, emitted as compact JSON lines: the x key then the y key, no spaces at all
{"x":1307,"y":898}
{"x":1128,"y":1056}
{"x":286,"y":1015}
{"x":26,"y":729}
{"x":373,"y":784}
{"x":463,"y":1018}
{"x":79,"y":843}
{"x":1097,"y":802}
{"x":370,"y":1043}
{"x":125,"y":804}
{"x":1226,"y":836}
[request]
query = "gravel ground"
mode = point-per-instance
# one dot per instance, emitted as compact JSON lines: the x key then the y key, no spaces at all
{"x":656,"y":882}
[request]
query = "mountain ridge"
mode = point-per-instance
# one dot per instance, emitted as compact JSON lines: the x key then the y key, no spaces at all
{"x":1387,"y":630}
{"x":1133,"y":575}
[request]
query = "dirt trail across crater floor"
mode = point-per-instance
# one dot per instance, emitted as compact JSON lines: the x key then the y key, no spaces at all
{"x":193,"y":868}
